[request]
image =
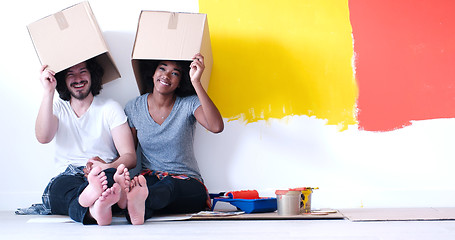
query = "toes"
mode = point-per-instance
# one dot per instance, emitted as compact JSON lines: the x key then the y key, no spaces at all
{"x":105,"y":194}
{"x":133,"y":182}
{"x":96,"y":170}
{"x":142,"y":181}
{"x":120,"y":169}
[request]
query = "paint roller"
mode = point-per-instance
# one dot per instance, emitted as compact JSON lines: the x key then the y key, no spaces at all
{"x":243,"y":194}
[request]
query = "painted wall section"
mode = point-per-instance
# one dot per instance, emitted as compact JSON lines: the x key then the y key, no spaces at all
{"x":405,"y":61}
{"x":278,"y":58}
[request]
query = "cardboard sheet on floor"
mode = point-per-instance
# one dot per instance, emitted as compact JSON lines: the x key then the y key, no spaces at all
{"x":115,"y":220}
{"x":183,"y":217}
{"x":271,"y":216}
{"x":398,"y":214}
{"x":180,"y":217}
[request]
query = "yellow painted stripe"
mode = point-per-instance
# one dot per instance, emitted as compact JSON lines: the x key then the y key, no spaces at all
{"x":279,"y":58}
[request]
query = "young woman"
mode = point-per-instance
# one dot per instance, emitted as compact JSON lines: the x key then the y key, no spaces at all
{"x":163,"y":122}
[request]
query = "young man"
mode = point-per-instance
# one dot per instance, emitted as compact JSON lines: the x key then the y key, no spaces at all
{"x":94,"y":145}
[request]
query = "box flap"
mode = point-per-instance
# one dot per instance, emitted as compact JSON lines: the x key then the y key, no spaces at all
{"x":179,"y":35}
{"x":69,"y":37}
{"x":172,"y":36}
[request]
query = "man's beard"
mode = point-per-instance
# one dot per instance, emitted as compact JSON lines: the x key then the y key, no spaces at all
{"x":80,"y":95}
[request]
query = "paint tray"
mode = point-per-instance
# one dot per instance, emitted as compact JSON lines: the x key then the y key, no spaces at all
{"x":250,"y":205}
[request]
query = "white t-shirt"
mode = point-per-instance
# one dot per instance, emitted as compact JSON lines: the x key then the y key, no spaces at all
{"x":81,"y":138}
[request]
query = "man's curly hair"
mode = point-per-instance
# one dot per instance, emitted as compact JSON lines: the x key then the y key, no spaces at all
{"x":96,"y":75}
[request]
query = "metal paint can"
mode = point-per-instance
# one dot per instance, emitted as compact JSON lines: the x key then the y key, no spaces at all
{"x":288,"y":202}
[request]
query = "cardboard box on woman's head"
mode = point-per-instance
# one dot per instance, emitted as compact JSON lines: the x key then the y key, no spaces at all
{"x":69,"y":37}
{"x":170,"y":36}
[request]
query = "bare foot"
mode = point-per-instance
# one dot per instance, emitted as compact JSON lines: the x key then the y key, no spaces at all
{"x":101,"y":210}
{"x":97,"y":184}
{"x":122,"y":177}
{"x":136,"y":199}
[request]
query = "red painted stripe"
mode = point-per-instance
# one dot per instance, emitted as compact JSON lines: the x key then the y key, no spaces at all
{"x":405,"y":64}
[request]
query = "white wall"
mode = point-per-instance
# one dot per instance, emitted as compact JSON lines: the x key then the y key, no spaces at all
{"x":406,"y":167}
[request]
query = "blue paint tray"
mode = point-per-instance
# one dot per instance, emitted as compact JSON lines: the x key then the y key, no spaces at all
{"x":250,"y":205}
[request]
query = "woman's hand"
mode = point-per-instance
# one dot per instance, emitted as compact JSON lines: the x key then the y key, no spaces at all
{"x":197,"y":68}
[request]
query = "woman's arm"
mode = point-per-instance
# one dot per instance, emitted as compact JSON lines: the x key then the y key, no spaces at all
{"x":207,"y":114}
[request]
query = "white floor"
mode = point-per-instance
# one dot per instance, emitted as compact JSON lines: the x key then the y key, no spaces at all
{"x":29,"y":227}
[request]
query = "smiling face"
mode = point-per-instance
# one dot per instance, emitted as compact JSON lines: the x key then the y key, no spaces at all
{"x":78,"y":81}
{"x":167,"y":77}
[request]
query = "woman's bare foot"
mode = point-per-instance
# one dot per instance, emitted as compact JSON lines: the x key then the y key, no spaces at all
{"x":122,"y":177}
{"x":136,"y":199}
{"x":101,"y":210}
{"x":97,"y":184}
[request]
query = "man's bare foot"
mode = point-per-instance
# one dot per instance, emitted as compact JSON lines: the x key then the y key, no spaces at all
{"x":97,"y":184}
{"x":136,"y":199}
{"x":122,"y":177}
{"x":101,"y":210}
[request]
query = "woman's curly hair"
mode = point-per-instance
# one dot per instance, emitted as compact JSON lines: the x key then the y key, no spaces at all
{"x":96,"y":75}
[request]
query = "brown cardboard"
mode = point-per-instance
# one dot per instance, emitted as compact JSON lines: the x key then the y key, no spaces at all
{"x":172,"y":36}
{"x":69,"y":37}
{"x":398,"y":214}
{"x":268,"y":216}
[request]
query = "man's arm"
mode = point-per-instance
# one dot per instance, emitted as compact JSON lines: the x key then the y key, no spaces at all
{"x":46,"y":124}
{"x":123,"y":141}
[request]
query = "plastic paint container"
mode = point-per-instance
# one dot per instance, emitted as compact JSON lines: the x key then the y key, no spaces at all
{"x":288,"y":202}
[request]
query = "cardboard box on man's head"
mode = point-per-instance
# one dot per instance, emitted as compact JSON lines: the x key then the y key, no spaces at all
{"x":171,"y":36}
{"x":69,"y":37}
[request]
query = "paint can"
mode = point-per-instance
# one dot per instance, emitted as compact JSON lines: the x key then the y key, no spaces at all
{"x":288,"y":202}
{"x":305,"y":198}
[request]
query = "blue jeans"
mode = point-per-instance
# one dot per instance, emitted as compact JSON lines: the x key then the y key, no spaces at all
{"x":64,"y":196}
{"x":172,"y":195}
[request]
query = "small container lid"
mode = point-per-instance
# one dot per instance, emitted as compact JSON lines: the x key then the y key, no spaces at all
{"x":284,"y":192}
{"x":281,"y":192}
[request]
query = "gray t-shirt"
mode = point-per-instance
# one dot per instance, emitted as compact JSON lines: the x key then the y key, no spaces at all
{"x":167,"y":147}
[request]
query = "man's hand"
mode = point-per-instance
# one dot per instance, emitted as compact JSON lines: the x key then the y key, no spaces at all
{"x":47,"y":79}
{"x":93,"y":162}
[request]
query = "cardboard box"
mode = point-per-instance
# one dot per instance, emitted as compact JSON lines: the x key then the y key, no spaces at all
{"x":171,"y":36}
{"x":69,"y":37}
